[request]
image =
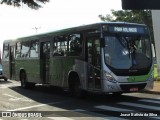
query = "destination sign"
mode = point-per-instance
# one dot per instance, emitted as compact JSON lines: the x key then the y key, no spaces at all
{"x":127,"y":29}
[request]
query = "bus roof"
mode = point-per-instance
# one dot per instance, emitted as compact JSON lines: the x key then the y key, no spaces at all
{"x":73,"y":29}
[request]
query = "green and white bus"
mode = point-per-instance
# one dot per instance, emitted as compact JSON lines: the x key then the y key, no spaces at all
{"x":109,"y":57}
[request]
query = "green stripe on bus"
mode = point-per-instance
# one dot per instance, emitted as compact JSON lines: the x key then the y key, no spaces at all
{"x":141,"y":78}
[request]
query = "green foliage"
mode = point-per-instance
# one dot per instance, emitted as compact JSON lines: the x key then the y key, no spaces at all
{"x":155,"y":71}
{"x":156,"y":76}
{"x":134,"y":16}
{"x":30,"y":3}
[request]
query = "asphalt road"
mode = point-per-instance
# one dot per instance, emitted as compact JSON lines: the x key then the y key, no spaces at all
{"x":51,"y":103}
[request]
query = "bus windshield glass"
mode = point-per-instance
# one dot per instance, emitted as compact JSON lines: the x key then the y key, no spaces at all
{"x":127,"y":52}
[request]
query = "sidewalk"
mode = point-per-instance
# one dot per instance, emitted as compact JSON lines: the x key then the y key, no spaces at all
{"x":156,"y":88}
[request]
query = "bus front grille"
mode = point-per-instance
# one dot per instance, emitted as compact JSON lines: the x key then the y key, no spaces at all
{"x":128,"y":87}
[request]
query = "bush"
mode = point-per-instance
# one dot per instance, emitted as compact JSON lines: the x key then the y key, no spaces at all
{"x":156,"y":76}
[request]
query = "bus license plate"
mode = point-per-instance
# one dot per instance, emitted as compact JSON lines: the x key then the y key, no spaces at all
{"x":133,"y":89}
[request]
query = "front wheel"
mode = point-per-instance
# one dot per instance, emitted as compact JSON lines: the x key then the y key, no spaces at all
{"x":75,"y":88}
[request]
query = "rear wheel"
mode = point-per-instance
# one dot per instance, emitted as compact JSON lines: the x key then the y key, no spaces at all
{"x":5,"y":79}
{"x":24,"y":83}
{"x":23,"y":80}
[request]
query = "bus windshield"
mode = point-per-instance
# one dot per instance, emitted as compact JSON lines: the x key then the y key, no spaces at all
{"x":127,"y":52}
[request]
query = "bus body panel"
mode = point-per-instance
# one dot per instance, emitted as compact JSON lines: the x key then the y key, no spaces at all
{"x":6,"y":70}
{"x":59,"y":69}
{"x":81,"y":69}
{"x":31,"y":68}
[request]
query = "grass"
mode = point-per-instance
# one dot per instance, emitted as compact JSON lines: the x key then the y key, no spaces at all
{"x":156,"y":76}
{"x":155,"y":71}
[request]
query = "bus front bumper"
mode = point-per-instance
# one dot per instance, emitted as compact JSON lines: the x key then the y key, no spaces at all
{"x":111,"y":87}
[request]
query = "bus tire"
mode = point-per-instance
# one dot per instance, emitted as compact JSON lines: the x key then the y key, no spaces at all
{"x":75,"y":87}
{"x":24,"y":83}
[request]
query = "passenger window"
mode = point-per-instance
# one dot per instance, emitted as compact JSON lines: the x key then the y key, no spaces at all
{"x":6,"y":51}
{"x":25,"y":49}
{"x":18,"y":50}
{"x":75,"y":45}
{"x":60,"y":46}
{"x":34,"y":52}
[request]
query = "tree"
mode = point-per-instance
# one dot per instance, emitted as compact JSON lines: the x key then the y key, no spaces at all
{"x":30,"y":3}
{"x":134,"y":16}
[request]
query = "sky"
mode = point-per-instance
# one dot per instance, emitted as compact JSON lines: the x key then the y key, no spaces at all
{"x":55,"y":15}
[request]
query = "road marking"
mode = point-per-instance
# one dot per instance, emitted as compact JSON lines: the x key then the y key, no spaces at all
{"x":3,"y":86}
{"x":59,"y":118}
{"x":94,"y":114}
{"x":114,"y":118}
{"x":35,"y":106}
{"x":9,"y":95}
{"x":8,"y":85}
{"x":139,"y":105}
{"x":104,"y":107}
{"x":151,"y":101}
{"x":13,"y":98}
{"x":79,"y":110}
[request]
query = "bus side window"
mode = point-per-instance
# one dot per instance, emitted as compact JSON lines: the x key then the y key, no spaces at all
{"x":60,"y":46}
{"x":18,"y":50}
{"x":75,"y":45}
{"x":25,"y":49}
{"x":6,"y":51}
{"x":34,"y":51}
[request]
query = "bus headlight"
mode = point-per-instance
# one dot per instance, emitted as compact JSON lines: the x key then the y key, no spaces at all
{"x":109,"y":77}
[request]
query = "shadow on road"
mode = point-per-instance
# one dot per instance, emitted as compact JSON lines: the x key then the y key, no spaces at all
{"x":63,"y":100}
{"x":2,"y":81}
{"x":45,"y":94}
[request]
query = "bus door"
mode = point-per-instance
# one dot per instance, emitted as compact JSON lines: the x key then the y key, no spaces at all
{"x":12,"y":62}
{"x":44,"y":61}
{"x":94,"y":63}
